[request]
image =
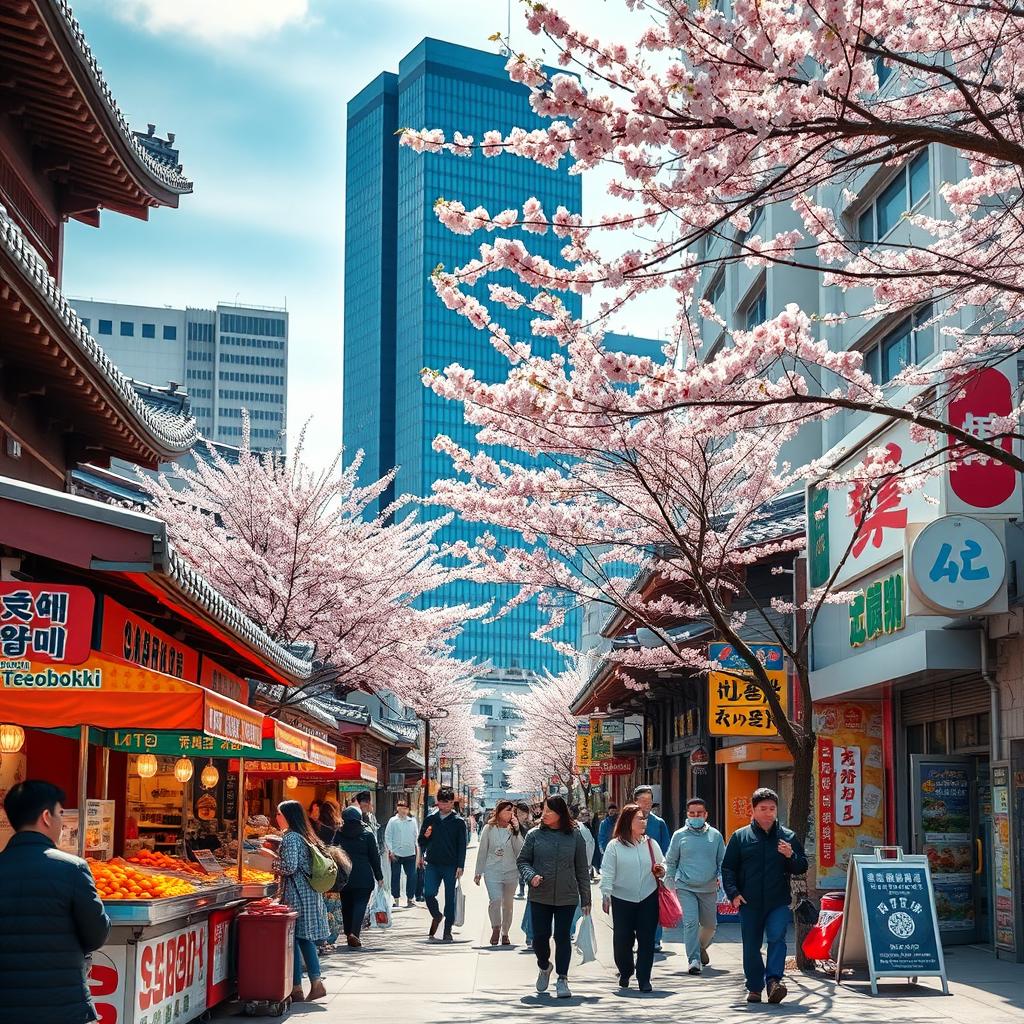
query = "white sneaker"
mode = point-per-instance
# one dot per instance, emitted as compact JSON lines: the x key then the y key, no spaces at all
{"x":543,"y":977}
{"x":695,"y":966}
{"x":562,"y":989}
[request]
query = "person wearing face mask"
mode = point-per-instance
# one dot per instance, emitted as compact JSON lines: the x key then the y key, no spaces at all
{"x":693,"y":864}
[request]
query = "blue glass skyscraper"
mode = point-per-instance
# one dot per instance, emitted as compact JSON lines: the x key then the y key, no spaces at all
{"x":394,"y":323}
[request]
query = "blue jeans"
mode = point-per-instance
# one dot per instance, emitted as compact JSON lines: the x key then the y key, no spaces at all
{"x":305,"y":949}
{"x":528,"y":925}
{"x":433,"y":876}
{"x":756,"y":925}
{"x":408,"y":865}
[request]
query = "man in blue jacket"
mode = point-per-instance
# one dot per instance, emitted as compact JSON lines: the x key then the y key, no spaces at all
{"x":657,"y":829}
{"x":607,"y":827}
{"x":443,"y":842}
{"x":51,"y":917}
{"x":759,"y":861}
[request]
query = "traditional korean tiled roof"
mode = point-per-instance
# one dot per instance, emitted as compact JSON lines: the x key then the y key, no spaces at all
{"x":168,"y":176}
{"x":166,"y":433}
{"x":785,"y":516}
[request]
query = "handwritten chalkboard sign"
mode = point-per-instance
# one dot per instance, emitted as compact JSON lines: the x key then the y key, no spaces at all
{"x":889,"y":920}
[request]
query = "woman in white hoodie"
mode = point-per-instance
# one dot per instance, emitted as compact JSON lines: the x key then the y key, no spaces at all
{"x":500,"y":843}
{"x":633,"y":863}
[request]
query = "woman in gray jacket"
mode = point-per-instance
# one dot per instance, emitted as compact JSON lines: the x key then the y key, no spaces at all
{"x":553,"y":863}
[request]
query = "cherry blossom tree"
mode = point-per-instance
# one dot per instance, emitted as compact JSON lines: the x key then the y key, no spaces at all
{"x":545,"y":743}
{"x":297,"y":551}
{"x":709,"y":116}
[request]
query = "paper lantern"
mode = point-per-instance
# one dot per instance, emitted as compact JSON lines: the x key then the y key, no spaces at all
{"x":146,"y":765}
{"x":183,"y":769}
{"x":12,"y":739}
{"x":291,"y":782}
{"x":209,"y":776}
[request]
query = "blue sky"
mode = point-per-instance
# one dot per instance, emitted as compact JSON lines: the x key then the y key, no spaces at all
{"x":255,"y":91}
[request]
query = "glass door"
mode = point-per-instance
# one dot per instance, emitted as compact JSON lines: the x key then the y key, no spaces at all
{"x":946,"y":824}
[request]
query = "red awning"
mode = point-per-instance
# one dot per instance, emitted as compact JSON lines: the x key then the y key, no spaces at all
{"x":302,"y":745}
{"x":346,"y":769}
{"x":109,"y":693}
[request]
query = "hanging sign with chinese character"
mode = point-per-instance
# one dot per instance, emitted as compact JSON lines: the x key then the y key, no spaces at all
{"x":977,"y":482}
{"x":45,"y":622}
{"x":849,"y":785}
{"x":584,"y":756}
{"x":877,"y":609}
{"x":736,"y":705}
{"x":957,"y":564}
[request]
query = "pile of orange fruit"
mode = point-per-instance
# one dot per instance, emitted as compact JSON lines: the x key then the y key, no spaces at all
{"x":251,"y":876}
{"x":118,"y":880}
{"x":164,"y":862}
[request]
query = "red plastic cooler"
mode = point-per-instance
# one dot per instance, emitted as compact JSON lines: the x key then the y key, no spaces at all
{"x":266,"y":952}
{"x":818,"y":941}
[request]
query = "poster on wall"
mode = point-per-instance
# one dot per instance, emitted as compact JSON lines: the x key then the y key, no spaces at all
{"x":1002,"y":859}
{"x":849,"y":783}
{"x":12,"y":771}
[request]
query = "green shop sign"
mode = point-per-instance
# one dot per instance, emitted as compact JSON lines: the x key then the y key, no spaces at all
{"x":877,"y":609}
{"x":167,"y":743}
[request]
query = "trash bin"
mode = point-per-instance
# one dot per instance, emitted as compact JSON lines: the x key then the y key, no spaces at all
{"x":266,"y":954}
{"x":818,"y":942}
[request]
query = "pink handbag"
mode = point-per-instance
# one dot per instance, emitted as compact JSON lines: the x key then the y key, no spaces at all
{"x":670,"y":913}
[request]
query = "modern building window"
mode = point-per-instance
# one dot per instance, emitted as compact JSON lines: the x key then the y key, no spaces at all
{"x":127,"y":328}
{"x":170,"y":332}
{"x":716,"y":291}
{"x":756,"y":311}
{"x":86,"y":323}
{"x":900,"y":196}
{"x":106,"y":327}
{"x":487,"y":710}
{"x":910,"y":342}
{"x":488,"y":779}
{"x":149,"y":330}
{"x":510,"y":714}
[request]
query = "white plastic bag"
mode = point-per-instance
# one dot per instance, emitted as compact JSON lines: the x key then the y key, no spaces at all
{"x":586,"y":939}
{"x":460,"y":905}
{"x":379,"y":911}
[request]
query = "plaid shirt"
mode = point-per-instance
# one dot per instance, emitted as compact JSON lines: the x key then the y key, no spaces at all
{"x":296,"y":865}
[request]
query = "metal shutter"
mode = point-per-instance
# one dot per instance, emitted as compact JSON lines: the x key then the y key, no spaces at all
{"x":944,"y":700}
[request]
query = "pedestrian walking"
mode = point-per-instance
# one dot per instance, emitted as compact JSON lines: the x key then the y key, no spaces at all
{"x":365,"y":804}
{"x":443,"y":849}
{"x":694,"y":863}
{"x":400,"y":838}
{"x":500,"y":845}
{"x":633,"y":863}
{"x":326,"y":826}
{"x":657,"y":829}
{"x":296,"y":865}
{"x":525,"y":822}
{"x":356,"y":840}
{"x":51,"y":917}
{"x":553,"y":863}
{"x":759,"y":862}
{"x":607,"y":829}
{"x":588,"y":838}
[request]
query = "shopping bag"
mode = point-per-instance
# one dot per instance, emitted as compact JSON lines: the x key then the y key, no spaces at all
{"x":460,"y":906}
{"x":380,"y":909}
{"x":586,"y":939}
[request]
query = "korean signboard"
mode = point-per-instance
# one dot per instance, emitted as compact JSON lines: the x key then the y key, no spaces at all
{"x":877,"y":609}
{"x":220,"y":680}
{"x":736,"y":706}
{"x":127,"y":636}
{"x":45,"y":622}
{"x":889,"y":922}
{"x":849,"y":783}
{"x":957,"y":565}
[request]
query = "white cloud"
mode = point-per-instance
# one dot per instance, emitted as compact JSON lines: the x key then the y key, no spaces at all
{"x":214,"y":21}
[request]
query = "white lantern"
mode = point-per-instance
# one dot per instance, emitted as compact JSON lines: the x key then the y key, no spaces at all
{"x":291,"y":782}
{"x":12,"y":739}
{"x":209,"y":776}
{"x":183,"y":769}
{"x":146,"y":765}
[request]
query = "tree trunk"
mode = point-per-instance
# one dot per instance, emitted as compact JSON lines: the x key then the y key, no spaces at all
{"x":800,"y":822}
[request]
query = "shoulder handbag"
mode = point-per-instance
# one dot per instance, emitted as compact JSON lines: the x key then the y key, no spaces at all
{"x":670,"y":913}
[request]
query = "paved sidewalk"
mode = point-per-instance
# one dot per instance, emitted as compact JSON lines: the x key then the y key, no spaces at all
{"x":400,"y":977}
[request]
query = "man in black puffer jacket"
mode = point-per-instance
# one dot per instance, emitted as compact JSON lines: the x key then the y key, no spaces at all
{"x":759,"y":861}
{"x":51,"y":917}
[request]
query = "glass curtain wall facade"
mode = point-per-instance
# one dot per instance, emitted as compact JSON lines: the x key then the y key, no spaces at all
{"x":449,"y":87}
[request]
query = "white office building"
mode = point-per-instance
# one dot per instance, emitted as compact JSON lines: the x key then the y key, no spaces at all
{"x":496,"y":689}
{"x":228,"y":359}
